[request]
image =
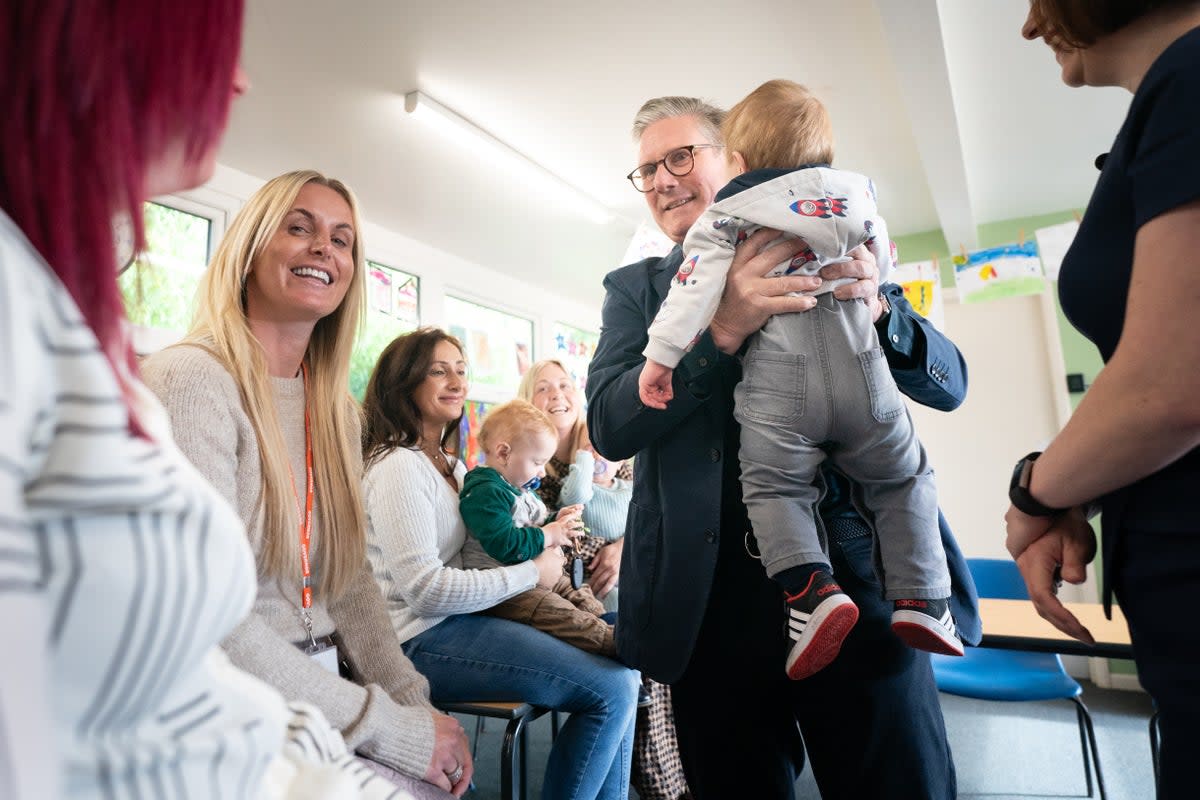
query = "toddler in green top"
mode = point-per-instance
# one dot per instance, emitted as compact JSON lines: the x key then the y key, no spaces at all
{"x":508,"y":524}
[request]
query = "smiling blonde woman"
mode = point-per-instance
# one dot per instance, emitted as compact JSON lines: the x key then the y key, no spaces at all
{"x":258,"y":397}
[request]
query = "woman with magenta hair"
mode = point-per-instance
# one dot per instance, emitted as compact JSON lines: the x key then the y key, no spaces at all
{"x":120,"y":567}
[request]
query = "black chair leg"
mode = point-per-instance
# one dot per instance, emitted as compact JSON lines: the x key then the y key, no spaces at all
{"x":1083,"y":743}
{"x":512,"y":761}
{"x":524,"y":763}
{"x":475,"y":743}
{"x":1091,"y":735}
{"x":1154,"y":746}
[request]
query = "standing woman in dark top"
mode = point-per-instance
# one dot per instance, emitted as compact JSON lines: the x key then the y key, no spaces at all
{"x":1129,"y":283}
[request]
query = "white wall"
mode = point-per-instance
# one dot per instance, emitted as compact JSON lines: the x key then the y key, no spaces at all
{"x":1016,"y":402}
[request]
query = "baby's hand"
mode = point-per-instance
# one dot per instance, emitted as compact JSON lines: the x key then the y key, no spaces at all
{"x":558,"y":534}
{"x":654,"y":385}
{"x":566,"y":512}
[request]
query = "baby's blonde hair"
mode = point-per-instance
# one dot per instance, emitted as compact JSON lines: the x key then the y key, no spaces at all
{"x":781,"y":124}
{"x":512,"y":422}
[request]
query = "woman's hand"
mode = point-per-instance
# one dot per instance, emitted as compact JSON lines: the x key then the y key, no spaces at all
{"x":550,"y":563}
{"x":750,"y":298}
{"x":451,"y":752}
{"x":605,"y":568}
{"x":1023,"y":530}
{"x":1062,"y":553}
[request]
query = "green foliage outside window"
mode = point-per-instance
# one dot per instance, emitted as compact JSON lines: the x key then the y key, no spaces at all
{"x":160,"y":286}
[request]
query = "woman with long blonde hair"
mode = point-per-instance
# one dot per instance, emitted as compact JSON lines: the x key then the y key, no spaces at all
{"x":258,"y":394}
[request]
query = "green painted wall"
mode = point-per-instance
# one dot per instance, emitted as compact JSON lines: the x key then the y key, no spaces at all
{"x":1079,"y":354}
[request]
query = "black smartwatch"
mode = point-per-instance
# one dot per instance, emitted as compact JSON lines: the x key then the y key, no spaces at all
{"x":1018,"y":490}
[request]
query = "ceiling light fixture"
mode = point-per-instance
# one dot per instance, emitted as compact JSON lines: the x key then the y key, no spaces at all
{"x":468,"y":133}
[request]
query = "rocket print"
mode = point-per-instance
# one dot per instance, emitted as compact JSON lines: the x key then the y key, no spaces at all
{"x":823,"y":208}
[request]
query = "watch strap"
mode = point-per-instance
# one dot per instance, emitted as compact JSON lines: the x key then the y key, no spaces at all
{"x":1019,"y":494}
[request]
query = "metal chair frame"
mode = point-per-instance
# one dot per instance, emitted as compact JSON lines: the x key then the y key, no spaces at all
{"x":512,"y":751}
{"x":994,"y":570}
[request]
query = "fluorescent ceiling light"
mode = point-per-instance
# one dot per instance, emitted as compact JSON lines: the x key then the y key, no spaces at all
{"x":471,"y":137}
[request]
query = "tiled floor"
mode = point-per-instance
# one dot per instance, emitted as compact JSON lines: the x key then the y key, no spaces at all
{"x":1001,"y":750}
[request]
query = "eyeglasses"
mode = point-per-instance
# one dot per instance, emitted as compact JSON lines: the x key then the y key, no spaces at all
{"x":678,"y":162}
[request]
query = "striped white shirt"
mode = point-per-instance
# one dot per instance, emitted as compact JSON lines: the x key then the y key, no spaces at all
{"x":120,"y":571}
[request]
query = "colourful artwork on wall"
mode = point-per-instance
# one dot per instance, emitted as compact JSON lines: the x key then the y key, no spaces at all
{"x":574,"y":347}
{"x":394,"y":293}
{"x":468,"y":432}
{"x":1005,"y":271}
{"x":922,"y":284}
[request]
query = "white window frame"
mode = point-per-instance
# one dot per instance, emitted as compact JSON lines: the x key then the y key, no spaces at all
{"x":205,"y":203}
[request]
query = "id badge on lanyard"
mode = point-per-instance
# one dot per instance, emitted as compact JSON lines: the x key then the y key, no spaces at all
{"x":324,"y":654}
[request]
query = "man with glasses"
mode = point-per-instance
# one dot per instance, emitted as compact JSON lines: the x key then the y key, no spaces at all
{"x":697,"y":610}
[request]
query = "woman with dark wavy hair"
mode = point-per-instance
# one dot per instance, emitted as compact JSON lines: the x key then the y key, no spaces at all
{"x":413,"y":406}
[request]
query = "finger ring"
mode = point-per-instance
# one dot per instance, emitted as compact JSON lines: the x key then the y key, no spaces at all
{"x":455,"y":776}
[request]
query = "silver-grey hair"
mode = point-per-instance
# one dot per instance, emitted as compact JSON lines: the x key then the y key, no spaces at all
{"x":709,"y":116}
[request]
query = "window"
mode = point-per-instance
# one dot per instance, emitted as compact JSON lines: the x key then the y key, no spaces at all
{"x":499,"y":347}
{"x":393,"y":308}
{"x":160,"y":286}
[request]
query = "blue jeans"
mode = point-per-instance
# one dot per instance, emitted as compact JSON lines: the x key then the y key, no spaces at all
{"x":467,"y":657}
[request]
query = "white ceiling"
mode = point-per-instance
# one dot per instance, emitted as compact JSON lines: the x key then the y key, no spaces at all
{"x":959,"y":121}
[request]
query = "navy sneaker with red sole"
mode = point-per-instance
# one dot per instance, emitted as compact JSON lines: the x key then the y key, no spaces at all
{"x":927,"y":625}
{"x":819,"y":619}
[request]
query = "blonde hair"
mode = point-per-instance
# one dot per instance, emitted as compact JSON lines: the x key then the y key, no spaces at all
{"x":512,"y":422}
{"x":780,"y":124}
{"x":525,"y":392}
{"x":221,"y":325}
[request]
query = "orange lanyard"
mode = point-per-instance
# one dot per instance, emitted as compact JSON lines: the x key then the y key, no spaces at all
{"x":306,"y":519}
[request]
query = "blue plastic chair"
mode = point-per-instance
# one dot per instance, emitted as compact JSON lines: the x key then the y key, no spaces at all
{"x":1012,"y":675}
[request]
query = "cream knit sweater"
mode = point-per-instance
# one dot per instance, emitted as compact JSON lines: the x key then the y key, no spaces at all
{"x":414,"y":541}
{"x":390,"y":719}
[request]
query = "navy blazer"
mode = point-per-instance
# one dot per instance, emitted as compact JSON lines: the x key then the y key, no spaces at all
{"x":674,"y":520}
